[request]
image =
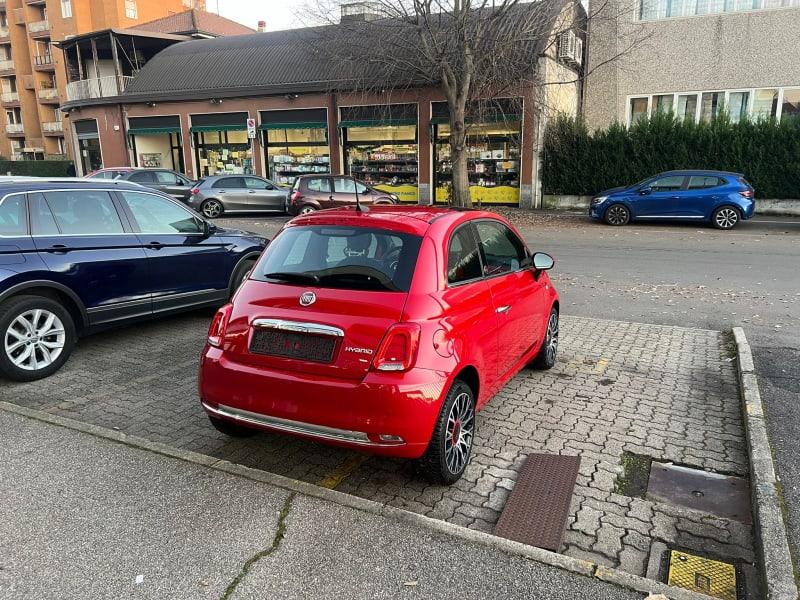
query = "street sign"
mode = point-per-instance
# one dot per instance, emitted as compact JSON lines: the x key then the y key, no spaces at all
{"x":251,"y":128}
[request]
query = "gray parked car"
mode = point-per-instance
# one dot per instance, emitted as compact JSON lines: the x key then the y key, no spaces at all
{"x":170,"y":182}
{"x":220,"y":194}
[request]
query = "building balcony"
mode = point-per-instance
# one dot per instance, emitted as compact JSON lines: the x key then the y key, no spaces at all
{"x":104,"y":87}
{"x":35,"y":2}
{"x":9,"y":98}
{"x":2,"y":4}
{"x":34,"y":145}
{"x":17,"y":156}
{"x":47,"y":95}
{"x":44,"y":63}
{"x":53,"y":128}
{"x":15,"y":129}
{"x":7,"y":67}
{"x":39,"y":29}
{"x":4,"y":35}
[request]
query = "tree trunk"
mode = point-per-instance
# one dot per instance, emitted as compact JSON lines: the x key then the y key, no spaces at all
{"x":458,"y":156}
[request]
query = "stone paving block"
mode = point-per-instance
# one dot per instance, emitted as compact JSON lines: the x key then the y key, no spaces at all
{"x":666,"y":392}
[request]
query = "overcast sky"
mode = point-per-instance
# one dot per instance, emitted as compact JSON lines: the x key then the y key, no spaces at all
{"x":279,"y":14}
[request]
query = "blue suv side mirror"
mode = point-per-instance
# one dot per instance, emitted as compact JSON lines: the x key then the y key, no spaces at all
{"x":644,"y":190}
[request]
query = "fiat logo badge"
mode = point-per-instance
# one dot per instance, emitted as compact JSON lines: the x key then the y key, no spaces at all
{"x":308,"y":298}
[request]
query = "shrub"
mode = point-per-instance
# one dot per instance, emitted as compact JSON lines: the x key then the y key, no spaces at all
{"x":35,"y":168}
{"x":767,"y":152}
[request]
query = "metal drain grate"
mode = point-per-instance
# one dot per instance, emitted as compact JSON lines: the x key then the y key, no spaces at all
{"x":697,"y":574}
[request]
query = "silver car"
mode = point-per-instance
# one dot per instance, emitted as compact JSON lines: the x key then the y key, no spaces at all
{"x":219,"y":194}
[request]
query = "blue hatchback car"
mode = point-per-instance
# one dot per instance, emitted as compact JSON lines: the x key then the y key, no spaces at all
{"x":78,"y":256}
{"x":717,"y":197}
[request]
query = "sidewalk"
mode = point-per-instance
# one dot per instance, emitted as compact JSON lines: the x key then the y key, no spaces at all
{"x":84,"y":517}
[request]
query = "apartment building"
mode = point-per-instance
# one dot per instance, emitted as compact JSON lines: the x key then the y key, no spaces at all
{"x":32,"y":75}
{"x":692,"y":58}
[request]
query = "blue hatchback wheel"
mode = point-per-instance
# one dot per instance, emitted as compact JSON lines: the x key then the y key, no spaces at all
{"x":617,"y":214}
{"x":725,"y":217}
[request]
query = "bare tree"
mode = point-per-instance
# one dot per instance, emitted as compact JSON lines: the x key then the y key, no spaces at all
{"x":470,"y":50}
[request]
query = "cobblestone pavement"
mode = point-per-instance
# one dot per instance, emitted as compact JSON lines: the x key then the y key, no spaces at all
{"x":665,"y":392}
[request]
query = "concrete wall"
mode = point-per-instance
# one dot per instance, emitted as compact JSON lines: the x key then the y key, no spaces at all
{"x":749,"y":49}
{"x":788,"y":208}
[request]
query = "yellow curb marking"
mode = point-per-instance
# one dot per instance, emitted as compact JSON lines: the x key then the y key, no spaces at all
{"x":342,"y":471}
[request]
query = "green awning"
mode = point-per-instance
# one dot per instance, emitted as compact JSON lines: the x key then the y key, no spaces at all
{"x":152,"y":130}
{"x":299,"y":125}
{"x":199,"y":128}
{"x":377,"y":123}
{"x":488,"y":119}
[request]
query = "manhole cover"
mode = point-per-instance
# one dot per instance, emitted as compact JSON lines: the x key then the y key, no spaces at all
{"x":722,"y":495}
{"x":711,"y":577}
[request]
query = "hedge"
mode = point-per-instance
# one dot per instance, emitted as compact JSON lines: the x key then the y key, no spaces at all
{"x":35,"y":168}
{"x":577,"y":162}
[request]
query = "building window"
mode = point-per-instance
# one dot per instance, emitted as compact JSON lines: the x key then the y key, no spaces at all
{"x":663,"y":103}
{"x":664,"y":9}
{"x":765,"y":103}
{"x":738,"y":105}
{"x":687,"y":106}
{"x":790,"y":107}
{"x":638,"y":109}
{"x":66,"y":9}
{"x":130,"y":9}
{"x":711,"y":105}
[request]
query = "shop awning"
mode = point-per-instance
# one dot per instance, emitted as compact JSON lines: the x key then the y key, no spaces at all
{"x":488,"y":119}
{"x":199,"y":128}
{"x":300,"y":125}
{"x":376,"y":123}
{"x":152,"y":130}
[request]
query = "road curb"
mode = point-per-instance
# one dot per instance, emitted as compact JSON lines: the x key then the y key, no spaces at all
{"x":553,"y":559}
{"x":765,"y":490}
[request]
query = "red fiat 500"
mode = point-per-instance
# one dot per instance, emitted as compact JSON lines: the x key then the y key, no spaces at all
{"x":384,"y":330}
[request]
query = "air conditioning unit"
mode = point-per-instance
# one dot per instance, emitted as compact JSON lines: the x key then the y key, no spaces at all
{"x":570,"y":48}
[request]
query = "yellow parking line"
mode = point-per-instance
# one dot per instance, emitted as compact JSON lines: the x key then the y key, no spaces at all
{"x":601,"y":366}
{"x":342,"y":471}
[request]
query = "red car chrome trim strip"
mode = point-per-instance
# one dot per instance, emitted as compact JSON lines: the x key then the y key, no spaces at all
{"x":310,"y":429}
{"x":297,"y":326}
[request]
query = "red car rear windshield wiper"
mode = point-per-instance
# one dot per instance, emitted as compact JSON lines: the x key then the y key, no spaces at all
{"x":297,"y":277}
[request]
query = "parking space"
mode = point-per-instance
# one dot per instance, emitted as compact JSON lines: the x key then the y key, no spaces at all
{"x":667,"y":393}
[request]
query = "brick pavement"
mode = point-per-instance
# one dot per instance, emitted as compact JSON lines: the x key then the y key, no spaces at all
{"x":666,"y":392}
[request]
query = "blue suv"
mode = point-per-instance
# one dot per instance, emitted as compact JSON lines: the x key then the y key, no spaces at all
{"x":78,"y":256}
{"x":717,"y":197}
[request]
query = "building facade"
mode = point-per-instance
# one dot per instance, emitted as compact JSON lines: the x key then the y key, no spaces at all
{"x":32,"y":75}
{"x":189,"y":109}
{"x":693,"y":58}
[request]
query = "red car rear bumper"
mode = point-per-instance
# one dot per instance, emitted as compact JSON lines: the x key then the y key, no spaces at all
{"x":353,"y":414}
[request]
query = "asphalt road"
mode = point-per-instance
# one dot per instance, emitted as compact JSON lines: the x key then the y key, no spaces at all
{"x":83,"y":517}
{"x":685,"y":274}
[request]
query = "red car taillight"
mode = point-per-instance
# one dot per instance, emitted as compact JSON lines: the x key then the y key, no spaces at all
{"x":747,"y":193}
{"x":295,"y":197}
{"x":218,"y":325}
{"x":398,"y":350}
{"x":195,"y":191}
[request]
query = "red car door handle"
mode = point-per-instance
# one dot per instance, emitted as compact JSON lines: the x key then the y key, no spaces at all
{"x":503,"y":309}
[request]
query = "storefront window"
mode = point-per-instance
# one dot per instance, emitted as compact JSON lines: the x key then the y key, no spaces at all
{"x":222,"y":152}
{"x":292,"y":152}
{"x":384,"y":157}
{"x":493,"y":161}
